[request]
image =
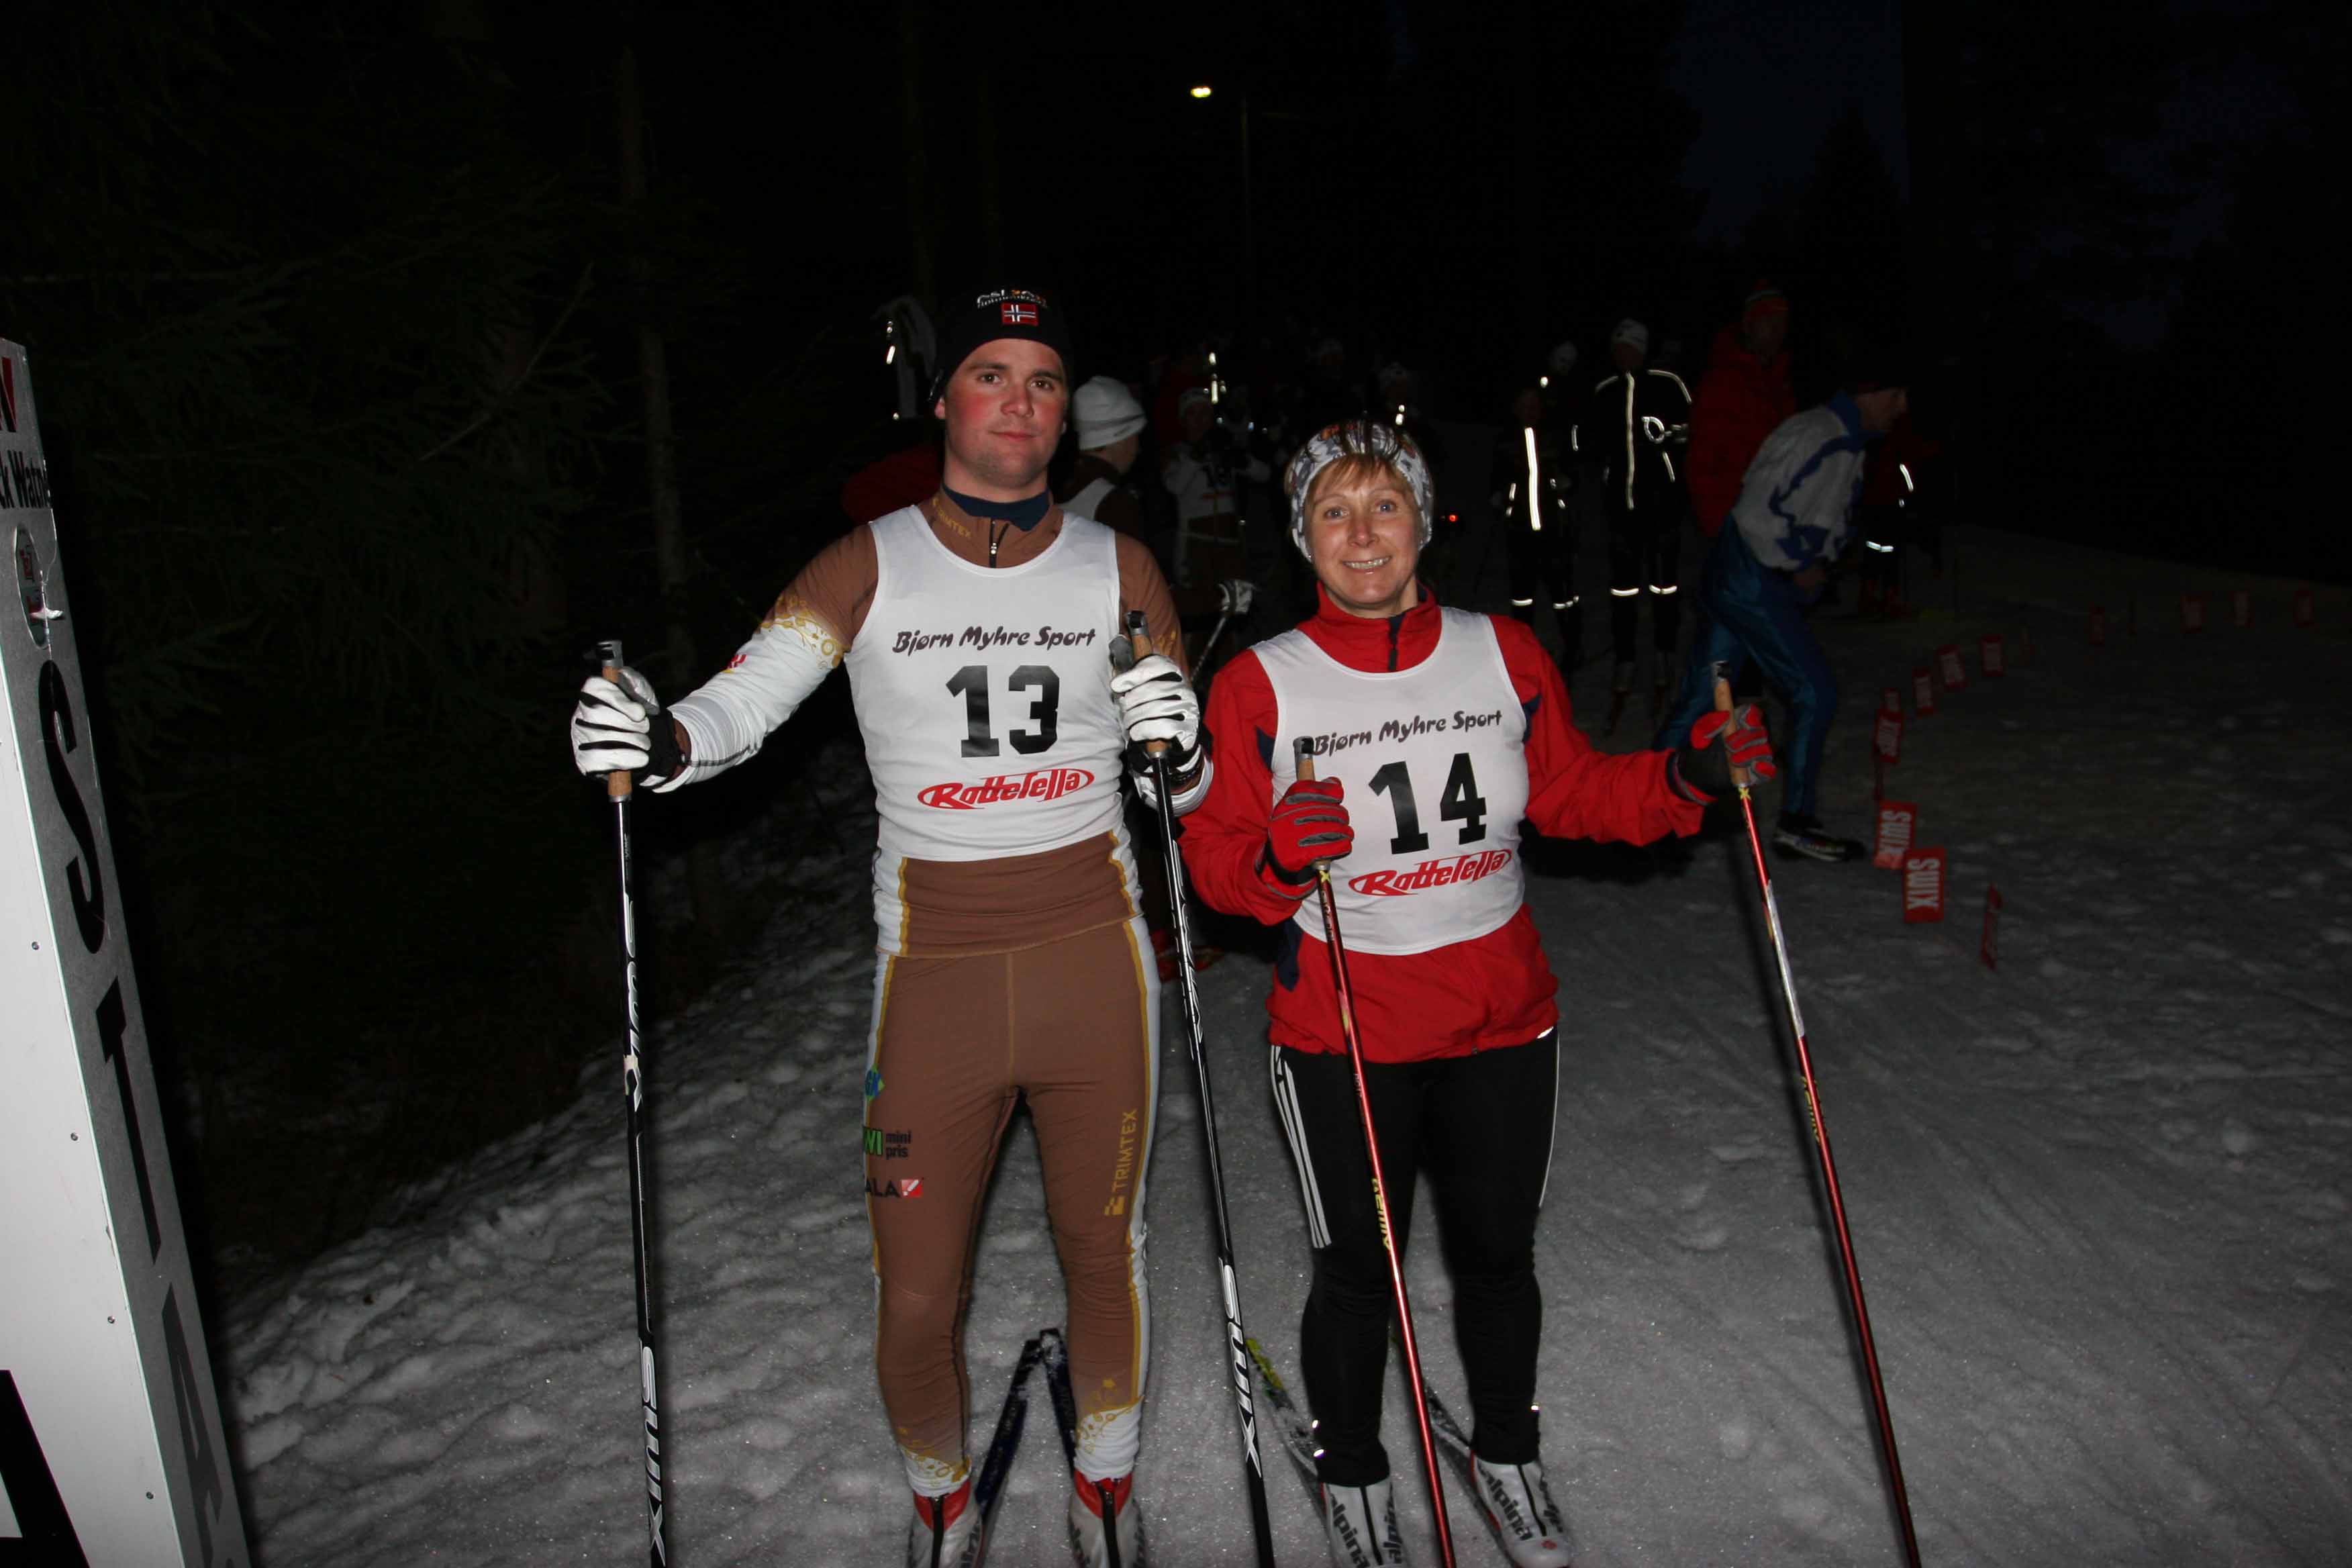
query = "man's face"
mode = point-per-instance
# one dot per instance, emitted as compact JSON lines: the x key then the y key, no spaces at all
{"x":1195,"y":420}
{"x":1882,"y":409}
{"x":1004,"y":408}
{"x":1767,"y":332}
{"x":1527,"y":409}
{"x":1363,"y":534}
{"x":1628,"y":357}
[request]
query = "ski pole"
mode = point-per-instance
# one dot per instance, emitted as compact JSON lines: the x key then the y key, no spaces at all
{"x":1306,"y":770}
{"x":1821,"y":1150}
{"x":1139,"y":639}
{"x":617,"y":786}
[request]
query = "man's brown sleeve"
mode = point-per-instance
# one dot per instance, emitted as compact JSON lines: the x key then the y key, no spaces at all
{"x":1141,"y":587}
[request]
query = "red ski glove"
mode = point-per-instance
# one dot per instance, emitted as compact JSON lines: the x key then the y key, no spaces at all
{"x":1309,"y":824}
{"x":1745,"y":745}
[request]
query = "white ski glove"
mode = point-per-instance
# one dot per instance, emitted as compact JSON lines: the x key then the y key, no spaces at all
{"x":1234,"y":595}
{"x":1155,"y":704}
{"x":613,"y":729}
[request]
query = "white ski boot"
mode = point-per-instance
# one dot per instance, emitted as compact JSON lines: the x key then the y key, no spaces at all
{"x":947,"y":1532}
{"x":1520,"y":1506}
{"x":1120,"y":1545}
{"x":1360,"y":1525}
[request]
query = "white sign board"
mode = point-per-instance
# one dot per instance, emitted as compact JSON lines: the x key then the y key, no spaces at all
{"x":111,"y":1449}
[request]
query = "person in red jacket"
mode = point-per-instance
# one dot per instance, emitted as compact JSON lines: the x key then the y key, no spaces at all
{"x":1445,"y":729}
{"x":1743,"y":398}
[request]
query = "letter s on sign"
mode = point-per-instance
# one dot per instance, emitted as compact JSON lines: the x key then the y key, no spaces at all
{"x":57,"y":738}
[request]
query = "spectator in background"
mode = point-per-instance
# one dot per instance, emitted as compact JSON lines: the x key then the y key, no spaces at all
{"x":1743,"y":398}
{"x":1110,"y":433}
{"x":1529,"y":490}
{"x":1794,"y":514}
{"x":1631,"y":427}
{"x":1204,"y":471}
{"x":1891,"y":519}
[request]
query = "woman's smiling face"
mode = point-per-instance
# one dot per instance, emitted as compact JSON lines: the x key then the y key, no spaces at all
{"x":1363,"y":534}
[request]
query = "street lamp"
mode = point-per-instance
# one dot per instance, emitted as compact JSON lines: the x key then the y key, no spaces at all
{"x":1249,"y":230}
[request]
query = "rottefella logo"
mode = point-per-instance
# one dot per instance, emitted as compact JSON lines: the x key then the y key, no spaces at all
{"x":1045,"y":783}
{"x":1442,"y":872}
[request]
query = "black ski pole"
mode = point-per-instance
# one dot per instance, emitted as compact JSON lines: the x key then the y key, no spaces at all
{"x":617,"y":786}
{"x":1821,"y":1150}
{"x":1236,"y":1341}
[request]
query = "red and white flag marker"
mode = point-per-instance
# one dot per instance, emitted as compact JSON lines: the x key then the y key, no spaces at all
{"x":1922,"y":690}
{"x":1898,"y":822}
{"x":1989,"y":656}
{"x":2242,"y":608}
{"x":1890,"y":697}
{"x":2098,"y":626}
{"x":1922,"y":887}
{"x":2192,"y":612}
{"x":2302,"y":607}
{"x":1988,"y":947}
{"x":1948,"y":658}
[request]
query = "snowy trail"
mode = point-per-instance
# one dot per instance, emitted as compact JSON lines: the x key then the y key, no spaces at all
{"x":2100,"y":1198}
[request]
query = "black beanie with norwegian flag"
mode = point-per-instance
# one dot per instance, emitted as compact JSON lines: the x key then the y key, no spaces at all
{"x":995,"y":314}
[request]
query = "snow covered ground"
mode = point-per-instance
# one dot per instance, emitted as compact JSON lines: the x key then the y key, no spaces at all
{"x":2100,"y":1196}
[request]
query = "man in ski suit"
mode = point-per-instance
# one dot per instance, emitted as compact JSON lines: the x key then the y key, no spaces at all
{"x":1631,"y":427}
{"x":1794,"y":515}
{"x":976,"y":628}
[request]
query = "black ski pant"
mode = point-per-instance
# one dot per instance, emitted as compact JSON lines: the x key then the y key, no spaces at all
{"x":1543,"y":571}
{"x":1644,"y":563}
{"x":1482,"y":1125}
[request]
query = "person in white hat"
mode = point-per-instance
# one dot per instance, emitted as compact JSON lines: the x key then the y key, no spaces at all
{"x":1109,"y":423}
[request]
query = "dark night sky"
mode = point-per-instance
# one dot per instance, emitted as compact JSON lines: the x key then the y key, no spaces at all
{"x":1768,"y":80}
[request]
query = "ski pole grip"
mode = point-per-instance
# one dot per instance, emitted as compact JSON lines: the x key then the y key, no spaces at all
{"x":1302,"y":754}
{"x":618,"y":785}
{"x":1723,"y":705}
{"x":1139,"y":639}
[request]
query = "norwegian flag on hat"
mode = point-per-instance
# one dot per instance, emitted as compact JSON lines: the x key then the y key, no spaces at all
{"x":1016,"y":314}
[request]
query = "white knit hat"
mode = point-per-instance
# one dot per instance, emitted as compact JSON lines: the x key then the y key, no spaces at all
{"x":1630,"y":330}
{"x":1375,"y":439}
{"x":1106,"y":412}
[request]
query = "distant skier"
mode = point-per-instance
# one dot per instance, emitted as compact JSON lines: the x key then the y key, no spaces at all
{"x":1794,"y":515}
{"x":1743,"y":398}
{"x":1631,"y":427}
{"x":1530,"y":488}
{"x":976,"y":628}
{"x":1449,"y":727}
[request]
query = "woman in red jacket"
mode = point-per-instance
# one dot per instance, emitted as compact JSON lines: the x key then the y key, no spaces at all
{"x":1446,"y":729}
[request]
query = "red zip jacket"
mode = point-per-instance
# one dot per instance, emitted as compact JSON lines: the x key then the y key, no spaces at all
{"x":1740,"y":401}
{"x":1492,"y":990}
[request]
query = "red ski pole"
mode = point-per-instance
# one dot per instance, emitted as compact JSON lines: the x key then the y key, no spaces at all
{"x":1821,"y":1149}
{"x":1379,"y":1181}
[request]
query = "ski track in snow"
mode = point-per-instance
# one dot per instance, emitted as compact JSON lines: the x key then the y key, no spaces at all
{"x":2099,"y":1198}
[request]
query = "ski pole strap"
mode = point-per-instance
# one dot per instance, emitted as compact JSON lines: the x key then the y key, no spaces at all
{"x":1139,"y":639}
{"x":1304,"y":758}
{"x":619,"y":782}
{"x":1723,"y":705}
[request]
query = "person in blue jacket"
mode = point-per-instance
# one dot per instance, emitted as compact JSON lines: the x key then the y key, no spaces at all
{"x":1794,"y":515}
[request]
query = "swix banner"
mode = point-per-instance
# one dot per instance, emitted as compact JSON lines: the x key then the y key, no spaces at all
{"x":1923,"y":886}
{"x":1922,"y":690}
{"x":2192,"y":612}
{"x":2242,"y":608}
{"x":1989,"y":656}
{"x":2098,"y":626}
{"x":1898,"y":823}
{"x":1889,"y":736}
{"x":1947,"y":657}
{"x":2302,"y":607}
{"x":111,"y":1447}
